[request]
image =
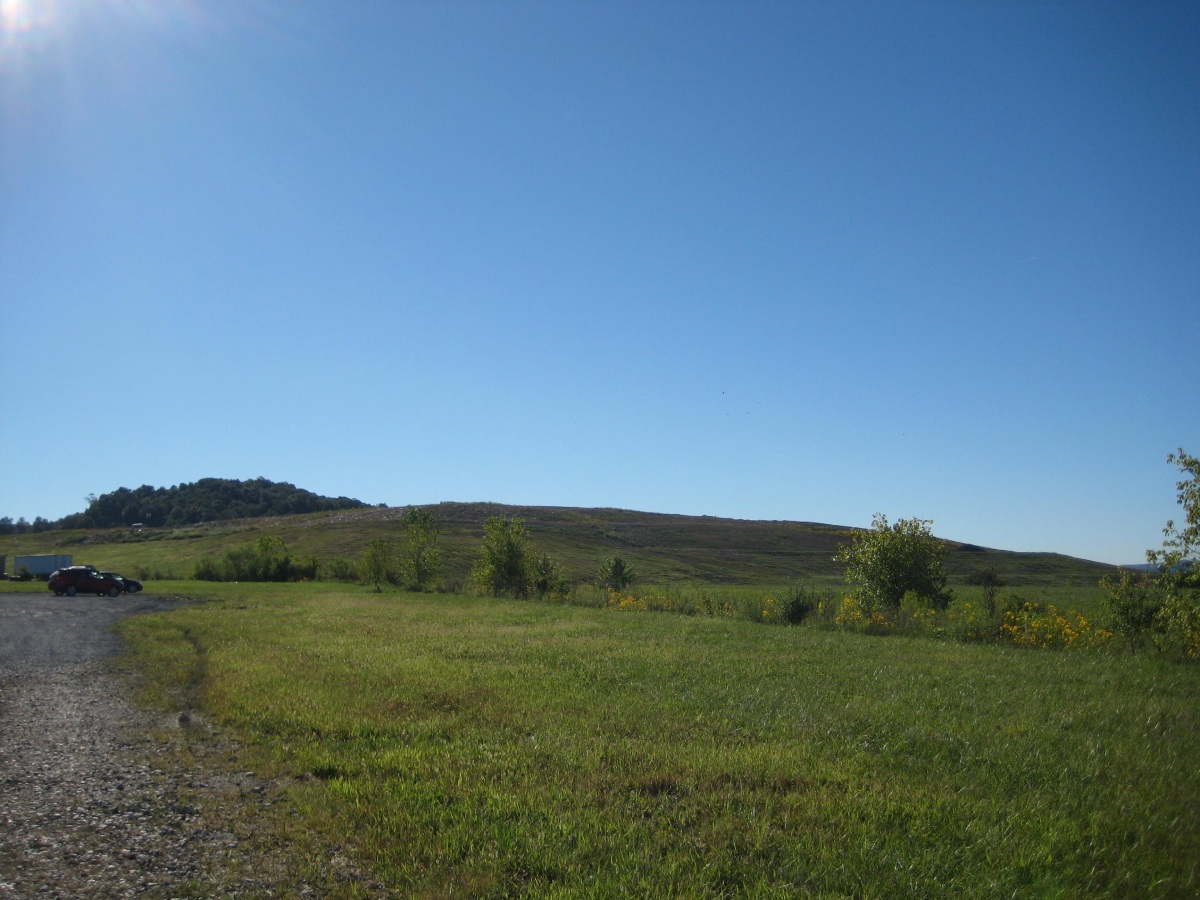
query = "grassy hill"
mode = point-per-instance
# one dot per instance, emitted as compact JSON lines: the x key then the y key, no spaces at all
{"x":661,"y":547}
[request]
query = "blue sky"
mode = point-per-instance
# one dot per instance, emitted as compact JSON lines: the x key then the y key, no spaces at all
{"x":765,"y":260}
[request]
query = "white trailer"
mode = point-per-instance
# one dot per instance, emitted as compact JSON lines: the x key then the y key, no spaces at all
{"x":40,"y":566}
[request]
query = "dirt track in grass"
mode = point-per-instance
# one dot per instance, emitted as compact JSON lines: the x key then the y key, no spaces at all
{"x":100,"y":799}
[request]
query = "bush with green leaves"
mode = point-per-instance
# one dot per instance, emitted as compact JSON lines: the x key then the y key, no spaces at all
{"x":505,"y":559}
{"x":420,"y":562}
{"x":341,"y":569}
{"x":888,"y":561}
{"x":801,"y":603}
{"x":377,"y":563}
{"x":1131,"y":605}
{"x":615,"y":574}
{"x":547,"y":578}
{"x":1177,"y":621}
{"x":509,"y":566}
{"x":989,"y":581}
{"x":267,"y":559}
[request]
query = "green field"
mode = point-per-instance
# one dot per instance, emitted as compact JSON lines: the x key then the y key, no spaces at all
{"x":471,"y":746}
{"x":467,"y":746}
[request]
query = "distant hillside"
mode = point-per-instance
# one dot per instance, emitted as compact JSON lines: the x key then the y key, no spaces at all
{"x":206,"y":500}
{"x":666,"y":547}
{"x":662,"y":548}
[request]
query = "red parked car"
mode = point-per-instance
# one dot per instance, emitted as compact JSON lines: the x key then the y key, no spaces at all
{"x":73,"y":579}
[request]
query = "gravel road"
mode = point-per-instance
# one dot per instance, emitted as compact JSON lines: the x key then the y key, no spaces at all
{"x":96,"y":797}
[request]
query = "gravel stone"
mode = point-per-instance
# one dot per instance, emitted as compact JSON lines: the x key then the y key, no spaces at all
{"x":101,"y":800}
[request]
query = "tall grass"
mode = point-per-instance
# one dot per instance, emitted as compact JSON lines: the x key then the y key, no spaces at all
{"x":491,"y":748}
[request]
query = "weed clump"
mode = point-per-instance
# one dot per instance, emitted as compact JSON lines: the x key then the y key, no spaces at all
{"x":1033,"y":624}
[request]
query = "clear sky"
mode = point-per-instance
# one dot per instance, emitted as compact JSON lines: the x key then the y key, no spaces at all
{"x":766,"y":260}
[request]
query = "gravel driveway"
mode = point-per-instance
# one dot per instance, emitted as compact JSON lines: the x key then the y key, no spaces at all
{"x":94,"y":798}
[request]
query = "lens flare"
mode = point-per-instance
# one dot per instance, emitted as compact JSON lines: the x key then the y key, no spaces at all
{"x":23,"y":16}
{"x":36,"y":27}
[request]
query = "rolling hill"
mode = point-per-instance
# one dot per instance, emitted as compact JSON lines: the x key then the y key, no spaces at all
{"x":660,"y":547}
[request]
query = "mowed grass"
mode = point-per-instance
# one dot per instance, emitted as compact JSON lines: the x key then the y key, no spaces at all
{"x":477,"y":747}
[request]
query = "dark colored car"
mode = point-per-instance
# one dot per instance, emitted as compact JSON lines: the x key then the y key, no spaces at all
{"x":75,"y":579}
{"x":128,"y":585}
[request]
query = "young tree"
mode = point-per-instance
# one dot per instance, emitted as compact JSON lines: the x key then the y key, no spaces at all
{"x":615,"y":574}
{"x":272,"y":561}
{"x":1132,"y":604}
{"x":1177,"y":620}
{"x":505,"y":559}
{"x":890,"y":560}
{"x":547,"y":577}
{"x":989,"y":581}
{"x":420,"y":559}
{"x":375,"y":564}
{"x":1180,"y":547}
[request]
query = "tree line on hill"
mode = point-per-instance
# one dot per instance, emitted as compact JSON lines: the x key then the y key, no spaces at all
{"x":206,"y":500}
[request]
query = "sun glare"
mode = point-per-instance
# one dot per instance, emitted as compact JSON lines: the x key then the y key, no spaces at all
{"x":26,"y":25}
{"x":23,"y":16}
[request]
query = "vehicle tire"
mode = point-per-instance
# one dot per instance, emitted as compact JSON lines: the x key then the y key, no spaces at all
{"x":71,"y":591}
{"x":114,"y":592}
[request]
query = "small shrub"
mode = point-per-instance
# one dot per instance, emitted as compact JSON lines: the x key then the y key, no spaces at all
{"x":377,"y":564}
{"x":207,"y":569}
{"x":889,"y":560}
{"x":800,"y":605}
{"x":1042,"y":625}
{"x":1177,"y":625}
{"x":968,"y":621}
{"x":625,"y":602}
{"x":1131,"y":605}
{"x":1177,"y":621}
{"x":615,"y":574}
{"x":504,"y":562}
{"x":341,"y":569}
{"x":420,"y":561}
{"x":547,"y":579}
{"x":268,"y":559}
{"x":857,"y":615}
{"x":989,"y":581}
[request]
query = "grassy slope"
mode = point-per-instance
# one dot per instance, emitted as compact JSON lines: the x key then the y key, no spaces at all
{"x":485,"y":747}
{"x":661,"y":548}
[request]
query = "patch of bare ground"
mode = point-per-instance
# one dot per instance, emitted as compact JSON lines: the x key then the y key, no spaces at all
{"x":99,"y":799}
